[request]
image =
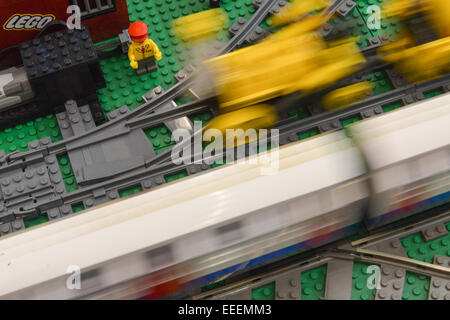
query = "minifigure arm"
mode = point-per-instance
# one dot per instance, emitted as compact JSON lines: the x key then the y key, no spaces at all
{"x":158,"y":54}
{"x":132,"y":58}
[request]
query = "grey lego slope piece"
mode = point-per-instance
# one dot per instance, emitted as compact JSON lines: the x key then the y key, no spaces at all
{"x":392,"y":246}
{"x":434,"y":232}
{"x":172,"y":125}
{"x":119,"y":150}
{"x":440,"y":288}
{"x":392,"y":280}
{"x":339,"y":280}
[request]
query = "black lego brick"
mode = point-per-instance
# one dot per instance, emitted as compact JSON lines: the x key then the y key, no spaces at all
{"x":61,"y":66}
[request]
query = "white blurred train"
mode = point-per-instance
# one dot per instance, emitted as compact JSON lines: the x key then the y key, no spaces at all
{"x":207,"y":226}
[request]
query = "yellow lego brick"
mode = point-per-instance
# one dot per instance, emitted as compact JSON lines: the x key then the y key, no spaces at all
{"x":200,"y":25}
{"x":256,"y":117}
{"x":346,"y":96}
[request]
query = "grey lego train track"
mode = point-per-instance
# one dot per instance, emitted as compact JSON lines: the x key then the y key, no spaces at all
{"x":147,"y":108}
{"x":18,"y":165}
{"x":246,"y":31}
{"x":339,"y":261}
{"x":150,"y":172}
{"x":175,"y":91}
{"x":153,"y":174}
{"x":324,"y":121}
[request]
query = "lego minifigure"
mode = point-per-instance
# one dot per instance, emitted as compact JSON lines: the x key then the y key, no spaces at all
{"x":143,"y":51}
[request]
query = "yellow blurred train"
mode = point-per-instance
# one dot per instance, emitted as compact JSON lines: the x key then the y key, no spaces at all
{"x":298,"y":60}
{"x":423,"y":52}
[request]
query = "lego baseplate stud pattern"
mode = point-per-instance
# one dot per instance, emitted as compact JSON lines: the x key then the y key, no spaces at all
{"x":417,"y":248}
{"x":434,"y":232}
{"x":416,"y":287}
{"x":440,"y":288}
{"x":391,"y":282}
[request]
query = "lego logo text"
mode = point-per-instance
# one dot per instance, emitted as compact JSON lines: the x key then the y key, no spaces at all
{"x":28,"y":21}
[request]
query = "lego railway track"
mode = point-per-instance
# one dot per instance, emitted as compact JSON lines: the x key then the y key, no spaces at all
{"x":323,"y":122}
{"x":355,"y":251}
{"x":147,"y":108}
{"x":175,"y":91}
{"x":159,"y":167}
{"x":16,"y":161}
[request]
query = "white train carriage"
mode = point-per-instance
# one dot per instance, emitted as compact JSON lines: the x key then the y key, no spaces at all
{"x":408,"y":154}
{"x":208,"y":226}
{"x":194,"y":230}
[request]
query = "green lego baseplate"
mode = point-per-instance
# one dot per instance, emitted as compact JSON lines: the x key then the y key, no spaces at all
{"x":313,"y":281}
{"x":417,"y":248}
{"x":266,"y":292}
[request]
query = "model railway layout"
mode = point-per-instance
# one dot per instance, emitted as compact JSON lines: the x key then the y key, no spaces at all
{"x":97,"y":158}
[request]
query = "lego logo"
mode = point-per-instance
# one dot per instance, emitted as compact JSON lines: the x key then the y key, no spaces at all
{"x":28,"y":21}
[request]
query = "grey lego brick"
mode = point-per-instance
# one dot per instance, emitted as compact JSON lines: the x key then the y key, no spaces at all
{"x":339,"y":280}
{"x":10,"y":227}
{"x":118,"y":112}
{"x":325,"y":29}
{"x":100,"y":196}
{"x":55,"y":174}
{"x":201,"y":88}
{"x":440,"y":288}
{"x":22,"y":189}
{"x":442,"y":261}
{"x":125,"y":40}
{"x":391,"y":246}
{"x":397,"y":80}
{"x":6,"y":215}
{"x":25,"y":183}
{"x":38,"y":145}
{"x":75,"y":121}
{"x":172,"y":125}
{"x":179,"y":76}
{"x":434,"y":232}
{"x":256,"y":35}
{"x":391,"y":283}
{"x":346,"y":7}
{"x":57,"y":212}
{"x":288,"y":286}
{"x":276,"y":8}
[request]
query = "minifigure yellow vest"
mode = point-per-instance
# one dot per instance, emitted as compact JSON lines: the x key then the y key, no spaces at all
{"x":143,"y":50}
